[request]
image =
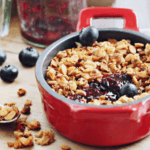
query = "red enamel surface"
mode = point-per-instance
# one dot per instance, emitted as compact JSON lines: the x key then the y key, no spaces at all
{"x":97,"y":126}
{"x":85,"y":16}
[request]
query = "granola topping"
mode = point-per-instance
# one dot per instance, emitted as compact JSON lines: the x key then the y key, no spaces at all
{"x":94,"y":74}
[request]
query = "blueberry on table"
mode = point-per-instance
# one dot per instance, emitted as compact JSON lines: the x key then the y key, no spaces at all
{"x":129,"y":90}
{"x":9,"y":73}
{"x":28,"y":56}
{"x":88,"y":36}
{"x":2,"y":57}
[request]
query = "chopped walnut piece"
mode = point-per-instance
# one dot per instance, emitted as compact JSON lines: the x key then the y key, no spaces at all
{"x":34,"y":125}
{"x":61,"y":54}
{"x":26,"y":109}
{"x":18,"y":134}
{"x":48,"y":138}
{"x":39,"y":134}
{"x":143,"y":74}
{"x":18,"y":144}
{"x":21,"y":92}
{"x":98,"y":53}
{"x":65,"y":147}
{"x":28,"y":102}
{"x":128,"y":57}
{"x":71,"y":61}
{"x":26,"y":141}
{"x":110,"y":49}
{"x":10,"y":144}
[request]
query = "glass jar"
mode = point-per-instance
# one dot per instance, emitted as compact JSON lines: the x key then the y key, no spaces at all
{"x":45,"y":21}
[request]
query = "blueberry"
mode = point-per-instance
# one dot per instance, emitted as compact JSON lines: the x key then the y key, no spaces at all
{"x":2,"y":57}
{"x":88,"y":35}
{"x":129,"y":90}
{"x":28,"y":56}
{"x":9,"y":73}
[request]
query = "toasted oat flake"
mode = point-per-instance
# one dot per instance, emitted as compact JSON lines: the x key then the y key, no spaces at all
{"x":73,"y":70}
{"x":48,"y":138}
{"x":139,"y":45}
{"x":21,"y":92}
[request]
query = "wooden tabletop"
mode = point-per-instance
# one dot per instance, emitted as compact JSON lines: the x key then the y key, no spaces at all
{"x":12,"y":45}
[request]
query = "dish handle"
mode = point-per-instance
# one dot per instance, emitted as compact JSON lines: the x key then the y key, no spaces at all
{"x":86,"y":15}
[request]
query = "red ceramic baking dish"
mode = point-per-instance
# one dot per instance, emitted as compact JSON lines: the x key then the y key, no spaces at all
{"x":104,"y":125}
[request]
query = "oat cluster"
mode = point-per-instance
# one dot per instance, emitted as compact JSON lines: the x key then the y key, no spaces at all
{"x":25,"y":138}
{"x":21,"y":92}
{"x":72,"y":69}
{"x":23,"y":134}
{"x":26,"y":109}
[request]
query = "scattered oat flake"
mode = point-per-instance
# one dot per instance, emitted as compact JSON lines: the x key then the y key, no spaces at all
{"x":72,"y":70}
{"x":65,"y":147}
{"x":21,"y":92}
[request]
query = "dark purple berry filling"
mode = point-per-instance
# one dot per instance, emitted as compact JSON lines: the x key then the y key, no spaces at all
{"x":109,"y":86}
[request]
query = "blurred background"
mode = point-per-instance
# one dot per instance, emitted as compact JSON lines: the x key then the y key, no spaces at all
{"x":141,"y":8}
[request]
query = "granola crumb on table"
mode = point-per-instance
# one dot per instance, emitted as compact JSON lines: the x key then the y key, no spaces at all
{"x":26,"y":109}
{"x":46,"y":139}
{"x":21,"y":92}
{"x":23,"y":138}
{"x":34,"y":125}
{"x":72,"y":70}
{"x":65,"y":147}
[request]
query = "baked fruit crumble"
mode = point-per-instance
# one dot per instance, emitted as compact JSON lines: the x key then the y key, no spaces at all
{"x":101,"y":74}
